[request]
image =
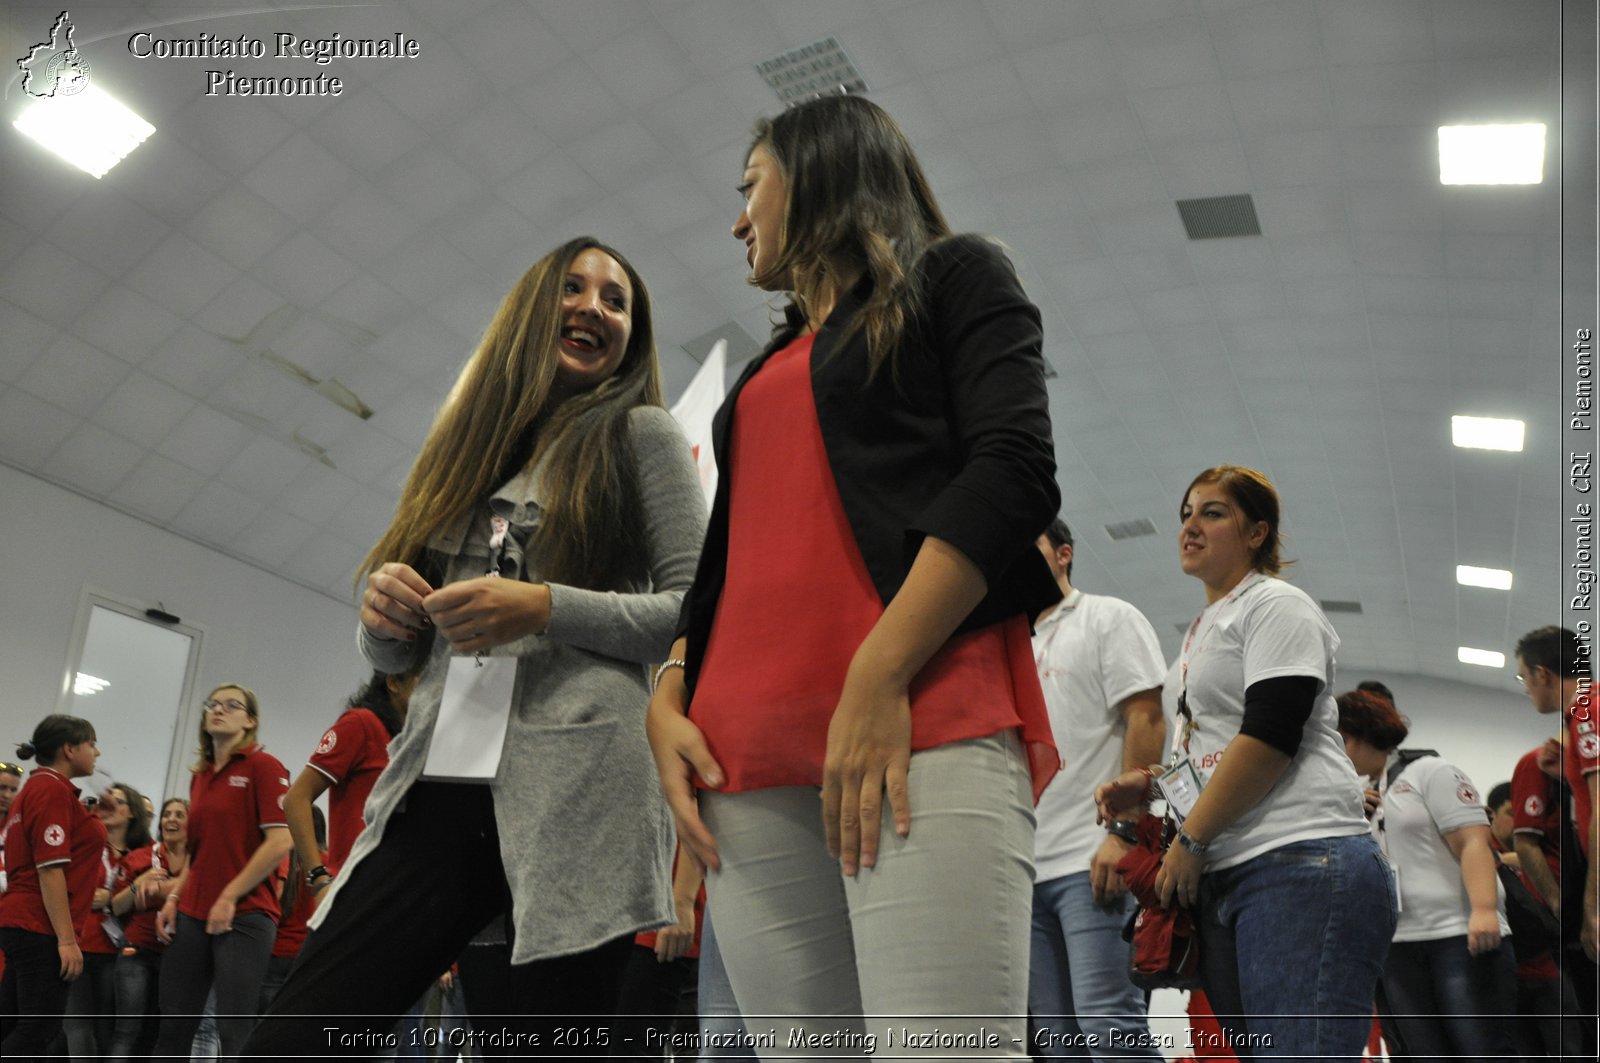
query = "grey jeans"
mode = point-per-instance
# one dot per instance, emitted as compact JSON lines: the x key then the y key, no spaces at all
{"x":931,"y":941}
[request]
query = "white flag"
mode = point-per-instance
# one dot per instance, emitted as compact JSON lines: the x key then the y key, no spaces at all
{"x":695,"y":408}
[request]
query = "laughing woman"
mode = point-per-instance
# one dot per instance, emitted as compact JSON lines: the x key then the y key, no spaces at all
{"x":548,"y":530}
{"x":1294,"y":901}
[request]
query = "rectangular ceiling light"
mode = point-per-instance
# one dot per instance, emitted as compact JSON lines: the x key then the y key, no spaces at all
{"x":85,"y":684}
{"x":1486,"y":658}
{"x":91,"y":129}
{"x":1491,"y":154}
{"x":1486,"y":433}
{"x":1497,"y":579}
{"x":819,"y":69}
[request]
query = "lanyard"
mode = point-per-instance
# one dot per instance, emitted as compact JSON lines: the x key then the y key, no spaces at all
{"x":1189,"y":653}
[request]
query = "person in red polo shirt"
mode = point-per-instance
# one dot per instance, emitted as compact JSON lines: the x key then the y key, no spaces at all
{"x":153,"y":870}
{"x":221,"y":916}
{"x":53,"y":846}
{"x":345,"y":764}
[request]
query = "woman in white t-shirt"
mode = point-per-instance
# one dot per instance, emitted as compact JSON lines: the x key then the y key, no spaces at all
{"x":1447,"y":983}
{"x":1292,"y":897}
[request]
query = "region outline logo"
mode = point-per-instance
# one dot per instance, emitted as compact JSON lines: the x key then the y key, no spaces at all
{"x":66,"y":72}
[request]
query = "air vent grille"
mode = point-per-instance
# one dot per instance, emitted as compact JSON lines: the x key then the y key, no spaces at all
{"x":1218,"y":216}
{"x":820,"y":69}
{"x":1131,"y":529}
{"x":1331,"y":605}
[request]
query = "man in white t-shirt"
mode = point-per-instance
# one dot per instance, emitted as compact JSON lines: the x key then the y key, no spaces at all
{"x":1101,"y":668}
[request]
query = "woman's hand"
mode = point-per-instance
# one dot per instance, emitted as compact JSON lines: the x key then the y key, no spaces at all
{"x":1483,"y":932}
{"x":220,"y":919}
{"x":391,"y":606}
{"x":1122,"y":796}
{"x":100,"y":901}
{"x":681,"y":753}
{"x":676,"y":940}
{"x":1370,"y":800}
{"x":477,"y":614}
{"x":167,"y":920}
{"x":1105,"y":881}
{"x":869,"y":752}
{"x":1178,"y":878}
{"x":151,"y":886}
{"x":71,"y":960}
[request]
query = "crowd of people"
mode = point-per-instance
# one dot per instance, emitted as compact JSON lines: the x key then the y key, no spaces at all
{"x":857,"y":716}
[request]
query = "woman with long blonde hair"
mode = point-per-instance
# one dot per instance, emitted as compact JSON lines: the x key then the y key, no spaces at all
{"x":546,"y":534}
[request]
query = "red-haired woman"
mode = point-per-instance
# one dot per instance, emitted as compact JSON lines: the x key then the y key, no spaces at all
{"x":1448,"y":978}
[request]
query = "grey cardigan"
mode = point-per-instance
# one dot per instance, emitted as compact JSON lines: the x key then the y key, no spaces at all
{"x":584,"y":833}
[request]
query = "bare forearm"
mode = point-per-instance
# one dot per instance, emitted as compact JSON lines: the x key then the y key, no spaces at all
{"x":1147,"y":730}
{"x":53,"y":891}
{"x":1478,"y":872}
{"x":941,"y":589}
{"x":275,"y":845}
{"x":297,"y":810}
{"x":1247,"y":772}
{"x":1537,"y":868}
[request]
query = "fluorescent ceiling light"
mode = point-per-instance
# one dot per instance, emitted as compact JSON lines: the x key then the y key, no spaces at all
{"x":1486,"y":658}
{"x":1486,"y":433}
{"x":1498,"y":579}
{"x":86,"y":684}
{"x":91,"y":129}
{"x":1491,"y":154}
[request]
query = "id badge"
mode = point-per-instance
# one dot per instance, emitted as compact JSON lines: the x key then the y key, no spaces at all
{"x":1181,"y":786}
{"x":469,"y":735}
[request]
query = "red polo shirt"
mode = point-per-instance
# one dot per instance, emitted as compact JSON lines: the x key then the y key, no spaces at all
{"x":352,"y":754}
{"x":140,"y":924}
{"x":49,"y":827}
{"x":1580,"y":759}
{"x":228,"y":810}
{"x":1536,"y":808}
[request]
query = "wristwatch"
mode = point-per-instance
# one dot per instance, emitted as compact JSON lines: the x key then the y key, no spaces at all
{"x":1190,"y":845}
{"x":1124,"y":829}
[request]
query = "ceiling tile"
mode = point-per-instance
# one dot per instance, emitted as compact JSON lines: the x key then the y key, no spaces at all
{"x":73,"y":375}
{"x":195,"y":362}
{"x":1065,"y":74}
{"x":31,"y":428}
{"x":304,"y":270}
{"x":143,"y":409}
{"x":301,"y":178}
{"x":158,"y":488}
{"x":92,"y":459}
{"x":1267,"y":38}
{"x":26,"y":338}
{"x":1181,"y":53}
{"x":204,"y":440}
{"x":1275,"y":103}
{"x":272,"y":537}
{"x":109,"y":231}
{"x":217,"y":513}
{"x":181,"y":275}
{"x":240,"y":226}
{"x":51,"y":284}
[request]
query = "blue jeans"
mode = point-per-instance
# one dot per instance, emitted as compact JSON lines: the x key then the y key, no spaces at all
{"x":137,"y":976}
{"x":1079,"y":996}
{"x":1440,"y":1000}
{"x":719,"y":1011}
{"x":1292,"y":943}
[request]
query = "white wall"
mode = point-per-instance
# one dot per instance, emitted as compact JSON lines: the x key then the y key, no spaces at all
{"x":294,"y":647}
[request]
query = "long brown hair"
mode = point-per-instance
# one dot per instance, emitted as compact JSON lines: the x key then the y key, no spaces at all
{"x":499,"y":417}
{"x":857,"y":198}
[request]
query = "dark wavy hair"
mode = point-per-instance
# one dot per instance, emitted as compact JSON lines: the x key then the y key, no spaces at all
{"x":374,"y":694}
{"x":1371,"y":718}
{"x":858,"y":199}
{"x":52,"y":733}
{"x":138,"y":835}
{"x":1257,"y":500}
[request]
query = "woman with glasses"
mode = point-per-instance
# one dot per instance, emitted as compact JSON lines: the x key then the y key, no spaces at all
{"x":537,"y":557}
{"x":53,"y":849}
{"x":92,"y":1000}
{"x":153,"y":870}
{"x":220,"y":917}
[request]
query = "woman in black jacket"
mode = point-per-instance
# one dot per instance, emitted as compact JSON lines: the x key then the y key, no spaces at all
{"x":858,"y":621}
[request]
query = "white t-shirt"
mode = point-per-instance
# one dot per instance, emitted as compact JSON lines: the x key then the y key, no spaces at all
{"x":1092,"y":652}
{"x":1430,"y":798}
{"x":1265,"y":629}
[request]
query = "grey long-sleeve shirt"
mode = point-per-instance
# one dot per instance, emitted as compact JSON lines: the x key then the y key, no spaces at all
{"x":584,"y":833}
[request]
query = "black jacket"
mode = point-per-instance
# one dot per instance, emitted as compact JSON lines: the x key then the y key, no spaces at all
{"x":955,"y":443}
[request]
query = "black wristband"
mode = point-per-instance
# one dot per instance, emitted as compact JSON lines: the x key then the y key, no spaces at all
{"x":1124,"y":829}
{"x":317,"y":872}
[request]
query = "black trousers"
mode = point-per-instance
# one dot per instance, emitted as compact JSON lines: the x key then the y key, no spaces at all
{"x":32,"y":996}
{"x":407,"y":913}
